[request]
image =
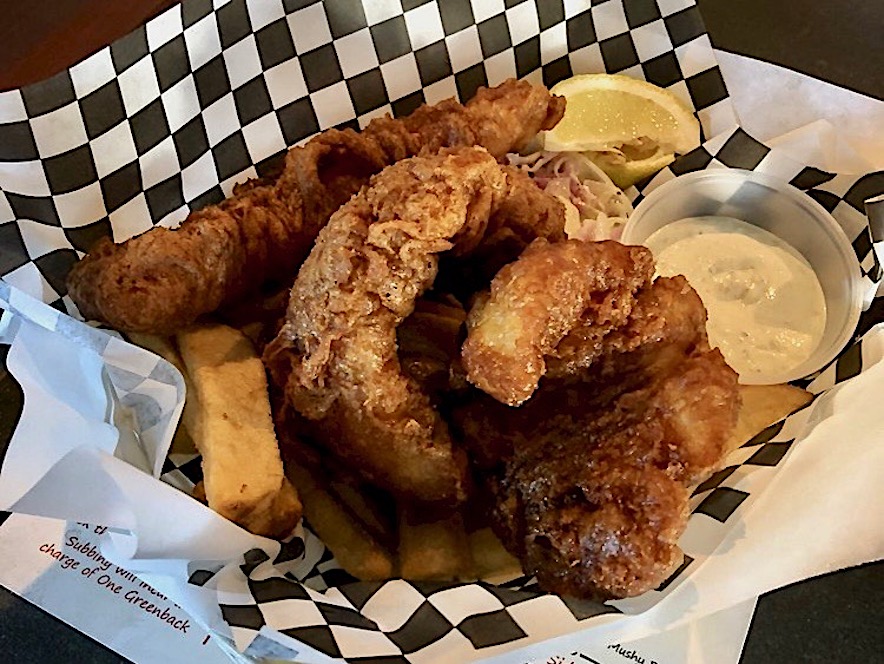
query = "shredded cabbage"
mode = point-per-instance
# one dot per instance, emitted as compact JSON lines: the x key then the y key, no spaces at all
{"x":595,"y":209}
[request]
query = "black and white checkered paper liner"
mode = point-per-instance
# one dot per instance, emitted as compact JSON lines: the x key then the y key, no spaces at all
{"x":167,"y":119}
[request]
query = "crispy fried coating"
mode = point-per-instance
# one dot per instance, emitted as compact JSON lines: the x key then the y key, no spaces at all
{"x":160,"y":281}
{"x":590,"y":478}
{"x":500,"y":119}
{"x":537,"y":300}
{"x":667,"y":321}
{"x":429,"y":342}
{"x":336,"y":356}
{"x":164,"y":279}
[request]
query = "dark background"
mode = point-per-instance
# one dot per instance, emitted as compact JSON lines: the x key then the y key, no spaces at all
{"x":836,"y":618}
{"x":841,"y":41}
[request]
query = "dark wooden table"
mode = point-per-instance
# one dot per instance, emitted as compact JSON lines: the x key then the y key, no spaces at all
{"x":841,"y":41}
{"x":836,"y":618}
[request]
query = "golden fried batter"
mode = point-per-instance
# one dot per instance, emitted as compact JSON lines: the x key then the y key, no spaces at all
{"x":163,"y":280}
{"x":336,"y":356}
{"x":537,"y":300}
{"x":590,"y":478}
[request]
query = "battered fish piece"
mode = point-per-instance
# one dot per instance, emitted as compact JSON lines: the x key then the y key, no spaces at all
{"x":429,"y":342}
{"x":667,"y":321}
{"x":521,"y":218}
{"x":591,"y":477}
{"x":537,"y":300}
{"x":336,"y":356}
{"x":163,"y":280}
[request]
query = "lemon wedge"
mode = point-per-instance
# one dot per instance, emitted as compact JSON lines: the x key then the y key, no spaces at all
{"x":610,"y":111}
{"x":625,"y":172}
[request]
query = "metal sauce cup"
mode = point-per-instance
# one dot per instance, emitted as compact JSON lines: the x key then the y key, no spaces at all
{"x":783,"y":210}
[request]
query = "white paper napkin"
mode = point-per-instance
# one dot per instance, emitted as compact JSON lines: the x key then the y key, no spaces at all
{"x":818,"y":123}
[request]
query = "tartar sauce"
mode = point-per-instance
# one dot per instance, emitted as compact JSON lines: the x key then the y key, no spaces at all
{"x":766,"y":307}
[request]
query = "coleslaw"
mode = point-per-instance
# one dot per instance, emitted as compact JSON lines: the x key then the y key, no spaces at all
{"x":595,"y":208}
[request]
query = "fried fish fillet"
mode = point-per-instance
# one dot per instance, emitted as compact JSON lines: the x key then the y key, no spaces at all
{"x":537,"y":300}
{"x":590,"y":478}
{"x":336,"y":358}
{"x":164,"y":279}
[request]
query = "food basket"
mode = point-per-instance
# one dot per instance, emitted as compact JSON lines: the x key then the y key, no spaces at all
{"x":208,"y":94}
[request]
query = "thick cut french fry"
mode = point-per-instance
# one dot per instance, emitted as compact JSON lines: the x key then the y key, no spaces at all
{"x":357,"y":551}
{"x":490,"y":557}
{"x":230,"y":422}
{"x":365,"y":504}
{"x":761,"y":406}
{"x":433,"y":548}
